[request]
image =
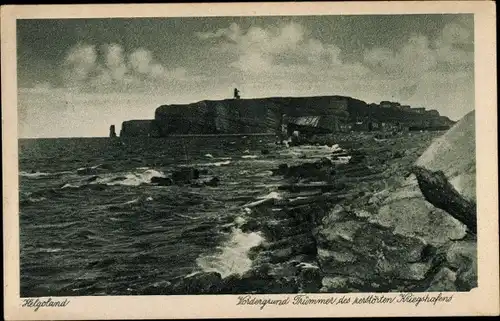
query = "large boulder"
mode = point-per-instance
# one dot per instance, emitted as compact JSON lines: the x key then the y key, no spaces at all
{"x":437,"y":202}
{"x":418,"y":235}
{"x":454,"y":154}
{"x":446,"y":172}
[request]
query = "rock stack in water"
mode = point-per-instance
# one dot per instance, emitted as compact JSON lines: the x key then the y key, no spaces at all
{"x":112,"y":131}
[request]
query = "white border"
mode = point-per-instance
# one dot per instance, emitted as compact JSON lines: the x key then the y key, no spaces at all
{"x":481,"y":301}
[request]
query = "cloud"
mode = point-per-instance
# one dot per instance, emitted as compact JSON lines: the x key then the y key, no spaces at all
{"x":455,"y":45}
{"x":276,"y":50}
{"x":452,"y":93}
{"x":40,"y":88}
{"x":140,"y":61}
{"x":115,"y":70}
{"x":419,"y":55}
{"x":115,"y":61}
{"x":412,"y":60}
{"x":456,"y":33}
{"x":437,"y":74}
{"x":79,"y":62}
{"x":230,"y":33}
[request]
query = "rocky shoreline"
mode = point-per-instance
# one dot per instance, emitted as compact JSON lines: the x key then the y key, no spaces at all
{"x":358,"y":226}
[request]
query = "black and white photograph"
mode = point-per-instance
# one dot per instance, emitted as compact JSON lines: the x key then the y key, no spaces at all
{"x":247,"y":155}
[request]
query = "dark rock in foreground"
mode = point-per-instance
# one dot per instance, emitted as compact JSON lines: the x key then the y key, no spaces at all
{"x":440,"y":193}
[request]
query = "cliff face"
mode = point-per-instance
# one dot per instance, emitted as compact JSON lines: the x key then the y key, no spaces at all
{"x":264,"y":115}
{"x":142,"y":127}
{"x":243,"y":115}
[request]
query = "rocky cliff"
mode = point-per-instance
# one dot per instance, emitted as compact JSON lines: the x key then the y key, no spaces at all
{"x":265,"y":115}
{"x":139,"y":128}
{"x":243,"y":115}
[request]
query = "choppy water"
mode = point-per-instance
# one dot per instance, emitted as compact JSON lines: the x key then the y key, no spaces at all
{"x":91,"y":223}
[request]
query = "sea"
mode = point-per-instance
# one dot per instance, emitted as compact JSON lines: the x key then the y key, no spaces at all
{"x":93,"y":223}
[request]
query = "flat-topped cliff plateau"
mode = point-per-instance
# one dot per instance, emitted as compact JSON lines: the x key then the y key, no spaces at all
{"x":317,"y":114}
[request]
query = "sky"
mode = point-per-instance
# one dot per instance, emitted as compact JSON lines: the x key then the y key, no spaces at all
{"x":76,"y":77}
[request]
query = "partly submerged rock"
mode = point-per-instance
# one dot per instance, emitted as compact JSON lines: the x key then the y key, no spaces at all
{"x":185,"y":175}
{"x":211,"y":181}
{"x":94,"y":170}
{"x":214,"y":181}
{"x":162,"y":181}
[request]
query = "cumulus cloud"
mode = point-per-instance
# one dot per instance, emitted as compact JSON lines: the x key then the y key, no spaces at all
{"x":455,"y":45}
{"x":116,"y":70}
{"x":277,"y":50}
{"x":411,"y":61}
{"x":419,"y":55}
{"x":140,"y":61}
{"x":115,"y":61}
{"x":434,"y":73}
{"x":79,"y":62}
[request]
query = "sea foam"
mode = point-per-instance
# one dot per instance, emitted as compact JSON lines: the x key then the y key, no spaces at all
{"x":130,"y":178}
{"x":217,"y":164}
{"x":40,"y":174}
{"x":233,"y":256}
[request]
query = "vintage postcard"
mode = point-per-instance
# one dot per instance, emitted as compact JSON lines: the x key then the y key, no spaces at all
{"x":249,"y":160}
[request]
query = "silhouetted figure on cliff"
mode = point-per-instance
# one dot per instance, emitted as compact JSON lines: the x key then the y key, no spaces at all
{"x":236,"y":93}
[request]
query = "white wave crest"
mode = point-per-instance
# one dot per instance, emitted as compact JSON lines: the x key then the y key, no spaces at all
{"x":40,"y":174}
{"x":217,"y":164}
{"x":130,"y":179}
{"x":68,"y":185}
{"x":249,"y":156}
{"x":264,"y":174}
{"x":335,"y":148}
{"x":50,"y":250}
{"x":342,"y":159}
{"x":239,"y":220}
{"x":273,"y":195}
{"x":264,"y":199}
{"x":36,"y":174}
{"x":36,"y":199}
{"x":233,"y":257}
